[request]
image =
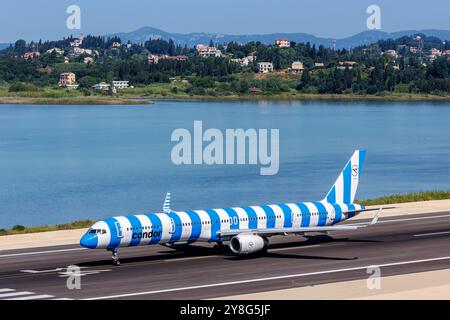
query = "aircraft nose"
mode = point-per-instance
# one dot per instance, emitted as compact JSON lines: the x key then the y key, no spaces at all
{"x":89,"y":241}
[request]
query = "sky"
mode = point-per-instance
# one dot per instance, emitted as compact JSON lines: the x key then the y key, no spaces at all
{"x":46,"y":19}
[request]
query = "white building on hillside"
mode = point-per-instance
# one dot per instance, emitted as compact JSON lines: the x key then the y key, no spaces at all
{"x":391,"y":53}
{"x":436,"y":52}
{"x":56,"y":50}
{"x":121,"y":84}
{"x":283,"y":43}
{"x":153,"y":58}
{"x":297,"y":67}
{"x":206,"y":52}
{"x":101,"y":86}
{"x":77,"y":42}
{"x":246,"y":61}
{"x":265,"y":67}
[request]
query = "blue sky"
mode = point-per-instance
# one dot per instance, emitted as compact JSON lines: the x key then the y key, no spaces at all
{"x":31,"y":19}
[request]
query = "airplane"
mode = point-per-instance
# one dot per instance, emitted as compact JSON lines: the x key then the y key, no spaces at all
{"x":246,"y":229}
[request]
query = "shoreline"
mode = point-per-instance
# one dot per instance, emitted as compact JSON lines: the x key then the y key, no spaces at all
{"x":304,"y":97}
{"x":130,"y":99}
{"x":73,"y":101}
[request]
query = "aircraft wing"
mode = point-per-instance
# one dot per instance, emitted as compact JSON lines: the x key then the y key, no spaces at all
{"x":287,"y":231}
{"x":302,"y":230}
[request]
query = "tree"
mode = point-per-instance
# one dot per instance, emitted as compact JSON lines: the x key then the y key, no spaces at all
{"x":20,"y":47}
{"x":88,"y":82}
{"x":171,"y":49}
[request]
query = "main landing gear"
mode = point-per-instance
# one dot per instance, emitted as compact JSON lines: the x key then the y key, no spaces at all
{"x":220,"y":246}
{"x":115,"y":257}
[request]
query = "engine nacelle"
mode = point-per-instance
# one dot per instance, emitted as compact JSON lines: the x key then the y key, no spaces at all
{"x":247,"y":243}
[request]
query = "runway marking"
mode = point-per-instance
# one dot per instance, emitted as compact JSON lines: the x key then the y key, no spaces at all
{"x":221,"y":284}
{"x":12,"y":294}
{"x":431,"y":234}
{"x":61,"y":272}
{"x":82,"y":273}
{"x":400,"y":220}
{"x":40,"y":252}
{"x":42,"y":271}
{"x":36,"y":297}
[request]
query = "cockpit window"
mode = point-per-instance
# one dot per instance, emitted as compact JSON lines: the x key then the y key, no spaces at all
{"x":96,"y":231}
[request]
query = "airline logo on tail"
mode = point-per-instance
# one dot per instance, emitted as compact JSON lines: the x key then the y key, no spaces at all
{"x":344,"y":189}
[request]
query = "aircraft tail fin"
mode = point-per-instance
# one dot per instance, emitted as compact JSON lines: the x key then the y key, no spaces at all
{"x":344,"y":189}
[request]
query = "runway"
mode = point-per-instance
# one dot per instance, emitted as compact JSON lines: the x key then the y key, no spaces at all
{"x":399,"y":245}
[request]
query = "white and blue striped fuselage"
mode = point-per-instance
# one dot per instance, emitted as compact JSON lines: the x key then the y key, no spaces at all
{"x":206,"y":225}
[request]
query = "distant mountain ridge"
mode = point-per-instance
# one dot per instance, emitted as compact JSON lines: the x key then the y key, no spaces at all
{"x":191,"y":39}
{"x":4,"y":45}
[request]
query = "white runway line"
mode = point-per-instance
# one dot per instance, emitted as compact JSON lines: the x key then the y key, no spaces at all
{"x":37,"y":297}
{"x":431,"y":234}
{"x":15,"y":294}
{"x":12,"y":294}
{"x":6,"y":290}
{"x":400,"y":220}
{"x":222,"y":284}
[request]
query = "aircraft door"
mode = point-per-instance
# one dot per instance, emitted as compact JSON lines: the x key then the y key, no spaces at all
{"x":119,"y":230}
{"x":172,"y":226}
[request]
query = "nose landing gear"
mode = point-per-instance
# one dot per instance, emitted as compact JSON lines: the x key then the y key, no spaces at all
{"x":115,"y":257}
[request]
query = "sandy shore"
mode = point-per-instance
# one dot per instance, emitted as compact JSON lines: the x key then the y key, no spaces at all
{"x":69,"y":237}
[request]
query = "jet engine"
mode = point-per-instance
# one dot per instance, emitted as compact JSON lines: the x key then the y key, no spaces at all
{"x":247,"y":243}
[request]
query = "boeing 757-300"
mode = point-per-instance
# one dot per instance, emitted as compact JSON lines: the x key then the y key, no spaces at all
{"x":245,"y":229}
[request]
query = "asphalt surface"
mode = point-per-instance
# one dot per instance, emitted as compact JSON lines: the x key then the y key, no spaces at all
{"x":400,"y":245}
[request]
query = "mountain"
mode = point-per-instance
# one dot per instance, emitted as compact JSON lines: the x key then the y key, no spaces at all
{"x":4,"y":45}
{"x":191,"y":39}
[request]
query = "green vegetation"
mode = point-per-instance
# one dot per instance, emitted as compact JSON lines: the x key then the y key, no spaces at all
{"x":222,"y":92}
{"x":22,"y":93}
{"x":68,"y":226}
{"x":411,"y":197}
{"x":22,"y":87}
{"x":401,"y":68}
{"x":74,"y":101}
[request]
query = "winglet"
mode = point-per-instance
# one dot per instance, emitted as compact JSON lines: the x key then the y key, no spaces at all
{"x":166,"y":206}
{"x":376,"y":217}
